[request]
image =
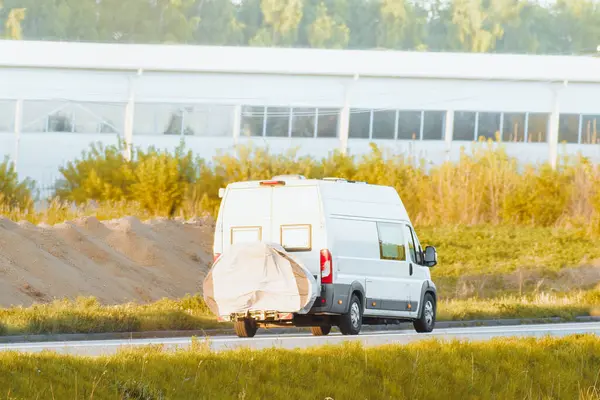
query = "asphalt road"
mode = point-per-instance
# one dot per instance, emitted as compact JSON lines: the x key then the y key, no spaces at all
{"x":292,"y":341}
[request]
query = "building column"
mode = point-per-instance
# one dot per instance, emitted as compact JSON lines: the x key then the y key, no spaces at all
{"x":553,"y":130}
{"x":18,"y":128}
{"x":344,"y":124}
{"x":129,"y":115}
{"x":449,"y":132}
{"x":344,"y":127}
{"x":237,"y":123}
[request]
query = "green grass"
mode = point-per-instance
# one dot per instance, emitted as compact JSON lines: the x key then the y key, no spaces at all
{"x":491,"y":261}
{"x":547,"y":368}
{"x":497,"y":250}
{"x":542,"y":305}
{"x":86,"y":315}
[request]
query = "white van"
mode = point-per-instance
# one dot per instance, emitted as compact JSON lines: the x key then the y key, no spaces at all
{"x":356,"y":239}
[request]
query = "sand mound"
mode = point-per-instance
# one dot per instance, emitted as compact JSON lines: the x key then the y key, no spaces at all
{"x":116,"y":261}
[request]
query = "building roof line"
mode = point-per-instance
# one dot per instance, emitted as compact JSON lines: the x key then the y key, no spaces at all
{"x":299,"y":61}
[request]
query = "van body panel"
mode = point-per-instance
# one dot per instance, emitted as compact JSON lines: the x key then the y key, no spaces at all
{"x":353,"y":213}
{"x":363,"y":201}
{"x":350,"y":252}
{"x":336,"y":299}
{"x":387,"y":286}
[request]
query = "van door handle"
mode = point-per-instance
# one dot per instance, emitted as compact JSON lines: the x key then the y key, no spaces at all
{"x":410,"y":269}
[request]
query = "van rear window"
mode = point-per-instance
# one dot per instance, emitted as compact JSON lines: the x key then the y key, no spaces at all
{"x":296,"y":237}
{"x":246,"y":234}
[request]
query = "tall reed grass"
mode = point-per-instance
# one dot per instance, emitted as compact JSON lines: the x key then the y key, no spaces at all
{"x":486,"y":186}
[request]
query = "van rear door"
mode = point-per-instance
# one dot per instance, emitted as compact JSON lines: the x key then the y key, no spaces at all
{"x":297,"y":225}
{"x":247,"y":215}
{"x":289,"y":215}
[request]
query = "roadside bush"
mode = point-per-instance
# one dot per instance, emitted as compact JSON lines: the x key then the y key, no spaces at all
{"x":101,"y":174}
{"x":15,"y":195}
{"x":471,"y":191}
{"x":539,"y":197}
{"x":158,"y":185}
{"x":155,"y":180}
{"x":484,"y":187}
{"x":595,"y":203}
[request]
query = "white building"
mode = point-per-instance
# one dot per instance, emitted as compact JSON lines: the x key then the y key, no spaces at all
{"x":57,"y":98}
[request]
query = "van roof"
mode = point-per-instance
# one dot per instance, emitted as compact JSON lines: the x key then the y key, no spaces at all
{"x":340,"y":190}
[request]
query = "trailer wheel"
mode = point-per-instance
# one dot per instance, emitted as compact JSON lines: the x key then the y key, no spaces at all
{"x":320,"y":330}
{"x":245,"y":328}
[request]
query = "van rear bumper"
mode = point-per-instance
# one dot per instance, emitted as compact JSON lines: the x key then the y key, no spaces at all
{"x":333,"y":299}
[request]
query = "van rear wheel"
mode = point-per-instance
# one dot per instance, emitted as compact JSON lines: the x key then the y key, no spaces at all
{"x":245,"y":328}
{"x":320,"y":330}
{"x":351,"y":322}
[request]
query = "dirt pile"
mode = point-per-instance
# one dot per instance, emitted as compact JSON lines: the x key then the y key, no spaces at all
{"x":116,"y":261}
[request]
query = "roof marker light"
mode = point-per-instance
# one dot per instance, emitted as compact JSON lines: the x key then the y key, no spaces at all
{"x":272,"y":183}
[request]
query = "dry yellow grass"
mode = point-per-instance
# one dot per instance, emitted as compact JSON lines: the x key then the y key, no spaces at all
{"x":548,"y":368}
{"x":86,"y":315}
{"x":541,"y":305}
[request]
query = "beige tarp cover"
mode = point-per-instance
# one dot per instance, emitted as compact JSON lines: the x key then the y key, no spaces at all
{"x":258,"y":277}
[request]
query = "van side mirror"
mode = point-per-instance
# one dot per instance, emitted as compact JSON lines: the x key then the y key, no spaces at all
{"x":430,"y":256}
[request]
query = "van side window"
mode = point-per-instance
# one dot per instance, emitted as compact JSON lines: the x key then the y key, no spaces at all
{"x":416,"y":253}
{"x":419,"y":249}
{"x":391,"y":242}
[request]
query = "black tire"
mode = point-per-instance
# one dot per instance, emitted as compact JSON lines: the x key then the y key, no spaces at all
{"x":351,"y":322}
{"x":245,"y":328}
{"x":320,"y":330}
{"x":426,"y":322}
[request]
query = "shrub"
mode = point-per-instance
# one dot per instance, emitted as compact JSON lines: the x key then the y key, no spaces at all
{"x":15,"y":195}
{"x":101,"y":174}
{"x":155,"y":180}
{"x":484,"y":187}
{"x":470,"y":191}
{"x":158,"y":185}
{"x":540,"y":197}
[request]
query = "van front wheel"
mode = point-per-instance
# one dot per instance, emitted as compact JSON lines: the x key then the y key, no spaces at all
{"x":351,"y":322}
{"x":426,"y":322}
{"x":245,"y":328}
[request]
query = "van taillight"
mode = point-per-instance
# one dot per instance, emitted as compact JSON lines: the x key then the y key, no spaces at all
{"x":216,"y":257}
{"x":326,"y":267}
